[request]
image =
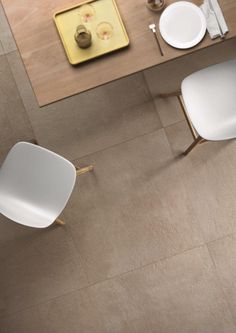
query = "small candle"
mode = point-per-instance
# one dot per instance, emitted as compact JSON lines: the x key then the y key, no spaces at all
{"x":155,"y":2}
{"x":155,"y":5}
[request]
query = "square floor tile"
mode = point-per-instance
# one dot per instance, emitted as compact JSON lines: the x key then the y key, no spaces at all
{"x":169,"y":110}
{"x":13,"y":117}
{"x":69,"y":313}
{"x":37,"y":265}
{"x":1,"y":49}
{"x":6,"y":38}
{"x":223,"y":252}
{"x":132,"y":210}
{"x":179,"y":137}
{"x":5,"y":146}
{"x":128,"y":91}
{"x":180,"y":294}
{"x":209,"y":174}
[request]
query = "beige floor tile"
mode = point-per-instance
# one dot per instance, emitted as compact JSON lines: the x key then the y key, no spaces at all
{"x":132,"y":210}
{"x":142,"y":204}
{"x":168,"y":77}
{"x":169,"y":110}
{"x":223,"y":252}
{"x":87,"y":311}
{"x":91,"y":121}
{"x":5,"y":146}
{"x":179,"y":137}
{"x":37,"y":265}
{"x":13,"y":118}
{"x":6,"y":38}
{"x":209,"y":174}
{"x":23,"y":83}
{"x":12,"y":233}
{"x":180,"y":294}
{"x":1,"y":49}
{"x":215,"y":186}
{"x":71,"y":313}
{"x":6,"y":132}
{"x":127,"y":92}
{"x":74,"y":133}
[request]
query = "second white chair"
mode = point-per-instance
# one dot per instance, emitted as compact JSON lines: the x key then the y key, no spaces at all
{"x":209,"y":103}
{"x":35,"y":185}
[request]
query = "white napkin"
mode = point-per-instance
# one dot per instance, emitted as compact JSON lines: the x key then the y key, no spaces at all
{"x":212,"y":24}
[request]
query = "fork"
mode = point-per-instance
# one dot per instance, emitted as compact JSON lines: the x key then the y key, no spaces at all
{"x":152,"y":27}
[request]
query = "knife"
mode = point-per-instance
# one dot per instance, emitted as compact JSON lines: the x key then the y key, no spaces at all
{"x":222,"y":35}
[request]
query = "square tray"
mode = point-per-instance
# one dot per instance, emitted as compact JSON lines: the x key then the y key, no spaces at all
{"x":90,"y":14}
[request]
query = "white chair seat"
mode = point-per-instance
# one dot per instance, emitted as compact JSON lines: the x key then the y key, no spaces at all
{"x":210,"y":99}
{"x":25,"y":213}
{"x":35,"y":185}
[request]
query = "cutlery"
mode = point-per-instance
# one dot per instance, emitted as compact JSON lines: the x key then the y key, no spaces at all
{"x":152,"y":27}
{"x":222,"y":35}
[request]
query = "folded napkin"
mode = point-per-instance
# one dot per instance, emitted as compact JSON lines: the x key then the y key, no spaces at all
{"x":212,"y":17}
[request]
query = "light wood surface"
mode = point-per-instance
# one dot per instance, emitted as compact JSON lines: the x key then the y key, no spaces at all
{"x":51,"y":75}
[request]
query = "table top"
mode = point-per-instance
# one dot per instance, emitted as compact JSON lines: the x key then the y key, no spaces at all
{"x":51,"y":75}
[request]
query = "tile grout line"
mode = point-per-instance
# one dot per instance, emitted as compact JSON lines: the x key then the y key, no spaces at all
{"x":9,"y":28}
{"x":221,"y":238}
{"x":102,"y":281}
{"x":4,"y":58}
{"x":26,"y":74}
{"x":10,"y":52}
{"x":147,"y":86}
{"x":116,"y":144}
{"x":177,"y":122}
{"x":164,"y":127}
{"x":152,"y":98}
{"x":19,"y":93}
{"x":204,"y":243}
{"x":220,"y":284}
{"x":170,"y":146}
{"x":70,"y":234}
{"x":156,"y":110}
{"x":138,"y":136}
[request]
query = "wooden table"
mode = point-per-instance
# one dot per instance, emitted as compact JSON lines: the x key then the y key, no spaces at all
{"x":51,"y":75}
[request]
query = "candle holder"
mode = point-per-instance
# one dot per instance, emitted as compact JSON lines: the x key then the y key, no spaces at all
{"x":155,"y":5}
{"x":83,"y":37}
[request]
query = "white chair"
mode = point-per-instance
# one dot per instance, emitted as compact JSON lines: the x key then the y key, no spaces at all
{"x":35,"y":185}
{"x":209,"y":102}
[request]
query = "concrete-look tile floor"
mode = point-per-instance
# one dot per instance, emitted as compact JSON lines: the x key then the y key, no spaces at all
{"x":150,"y":239}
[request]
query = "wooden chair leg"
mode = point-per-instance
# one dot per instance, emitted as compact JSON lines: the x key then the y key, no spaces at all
{"x":59,"y":222}
{"x":193,"y":145}
{"x":81,"y":171}
{"x":192,"y":129}
{"x":196,"y":137}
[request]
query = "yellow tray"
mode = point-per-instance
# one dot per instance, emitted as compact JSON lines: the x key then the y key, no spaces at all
{"x":91,"y":14}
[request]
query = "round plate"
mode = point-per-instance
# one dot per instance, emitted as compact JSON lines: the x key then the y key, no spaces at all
{"x":182,"y":25}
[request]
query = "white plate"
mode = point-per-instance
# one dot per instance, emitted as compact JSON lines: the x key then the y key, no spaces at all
{"x":182,"y":25}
